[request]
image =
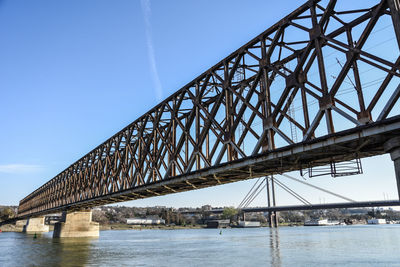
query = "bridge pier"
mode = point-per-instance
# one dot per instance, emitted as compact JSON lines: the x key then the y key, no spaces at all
{"x":76,"y":224}
{"x":272,"y":219}
{"x":35,"y":225}
{"x":393,"y":147}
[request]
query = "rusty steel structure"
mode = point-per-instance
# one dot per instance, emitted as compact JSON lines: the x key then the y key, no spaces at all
{"x":315,"y":87}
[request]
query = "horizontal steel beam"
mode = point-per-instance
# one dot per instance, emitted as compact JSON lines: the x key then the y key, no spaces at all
{"x":365,"y":204}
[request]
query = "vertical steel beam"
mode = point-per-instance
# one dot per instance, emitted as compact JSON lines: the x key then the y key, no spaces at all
{"x":363,"y":117}
{"x":394,"y":6}
{"x":265,"y":98}
{"x":173,"y":137}
{"x":229,"y":134}
{"x":197,"y":125}
{"x":154,"y":157}
{"x":208,"y":141}
{"x":186,"y":144}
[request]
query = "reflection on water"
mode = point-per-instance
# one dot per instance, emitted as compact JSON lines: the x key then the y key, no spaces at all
{"x":286,"y":246}
{"x":72,"y":251}
{"x":274,"y":247}
{"x":42,"y":250}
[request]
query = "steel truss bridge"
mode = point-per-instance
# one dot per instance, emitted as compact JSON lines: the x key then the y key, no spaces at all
{"x":315,"y":88}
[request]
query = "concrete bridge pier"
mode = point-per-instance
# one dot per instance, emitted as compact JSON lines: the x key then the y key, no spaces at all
{"x":76,"y":224}
{"x":35,"y":225}
{"x":393,"y":147}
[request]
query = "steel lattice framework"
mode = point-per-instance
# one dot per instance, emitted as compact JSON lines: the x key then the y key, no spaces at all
{"x":315,"y":86}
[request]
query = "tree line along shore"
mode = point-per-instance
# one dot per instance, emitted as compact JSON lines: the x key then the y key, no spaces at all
{"x":119,"y":217}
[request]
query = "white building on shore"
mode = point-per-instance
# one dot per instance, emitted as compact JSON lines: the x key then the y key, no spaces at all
{"x":140,"y":221}
{"x":377,"y":221}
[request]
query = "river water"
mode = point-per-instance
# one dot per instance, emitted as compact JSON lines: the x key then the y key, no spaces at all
{"x":366,"y":245}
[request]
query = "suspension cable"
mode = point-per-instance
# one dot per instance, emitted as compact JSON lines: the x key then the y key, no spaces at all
{"x":244,"y":199}
{"x":293,"y":193}
{"x":251,"y":197}
{"x":319,"y":188}
{"x":256,"y":193}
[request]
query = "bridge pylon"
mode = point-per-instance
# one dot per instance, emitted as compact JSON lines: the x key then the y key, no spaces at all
{"x":272,"y":216}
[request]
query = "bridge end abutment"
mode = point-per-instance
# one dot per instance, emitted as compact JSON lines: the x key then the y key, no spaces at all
{"x":35,"y":225}
{"x":393,"y":147}
{"x":76,"y":224}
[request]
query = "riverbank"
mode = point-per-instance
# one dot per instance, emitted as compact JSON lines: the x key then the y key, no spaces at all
{"x":120,"y":226}
{"x":148,"y":227}
{"x":18,"y":228}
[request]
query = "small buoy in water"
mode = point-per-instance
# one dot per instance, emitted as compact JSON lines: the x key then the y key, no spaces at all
{"x":34,"y":236}
{"x":220,"y":232}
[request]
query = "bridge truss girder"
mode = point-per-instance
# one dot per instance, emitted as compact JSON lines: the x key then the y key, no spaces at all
{"x":249,"y":110}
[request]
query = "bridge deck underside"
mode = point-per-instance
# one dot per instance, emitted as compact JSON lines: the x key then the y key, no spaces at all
{"x":361,"y":142}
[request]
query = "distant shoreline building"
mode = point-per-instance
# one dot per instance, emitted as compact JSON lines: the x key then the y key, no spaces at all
{"x":145,"y":221}
{"x":324,"y":222}
{"x":218,"y":223}
{"x":377,"y":221}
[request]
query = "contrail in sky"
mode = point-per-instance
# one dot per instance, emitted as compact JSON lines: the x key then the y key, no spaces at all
{"x":150,"y":49}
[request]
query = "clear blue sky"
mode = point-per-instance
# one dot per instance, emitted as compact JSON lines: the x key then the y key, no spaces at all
{"x":72,"y":73}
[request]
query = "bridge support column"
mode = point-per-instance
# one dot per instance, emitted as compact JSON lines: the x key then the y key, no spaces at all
{"x":272,"y":218}
{"x":393,"y":147}
{"x":35,"y":225}
{"x":76,"y":224}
